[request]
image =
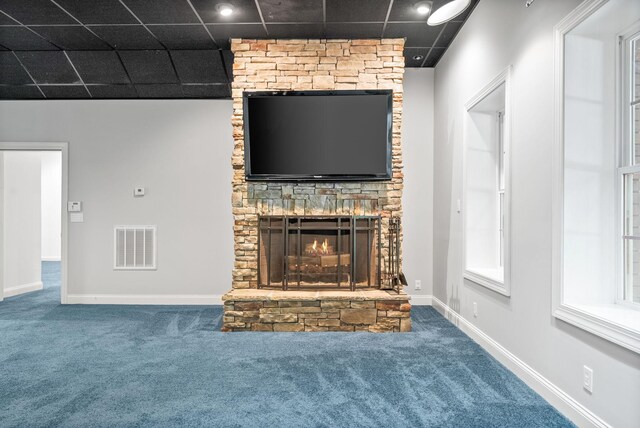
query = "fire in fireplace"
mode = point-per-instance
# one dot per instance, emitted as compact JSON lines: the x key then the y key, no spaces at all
{"x":319,"y":252}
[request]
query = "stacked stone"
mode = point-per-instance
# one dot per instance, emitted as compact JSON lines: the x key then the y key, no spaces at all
{"x":376,"y":316}
{"x":311,"y":65}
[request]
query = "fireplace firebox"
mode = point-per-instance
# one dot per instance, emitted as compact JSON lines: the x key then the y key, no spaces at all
{"x":319,"y":252}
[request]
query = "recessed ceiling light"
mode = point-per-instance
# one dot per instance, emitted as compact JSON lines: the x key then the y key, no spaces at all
{"x":448,"y":11}
{"x":225,"y":9}
{"x":423,"y":7}
{"x":418,"y":57}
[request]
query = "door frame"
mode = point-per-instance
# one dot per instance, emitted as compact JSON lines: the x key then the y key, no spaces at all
{"x":63,"y":148}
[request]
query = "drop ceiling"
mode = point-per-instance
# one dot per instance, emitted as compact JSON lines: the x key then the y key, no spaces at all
{"x":115,"y":49}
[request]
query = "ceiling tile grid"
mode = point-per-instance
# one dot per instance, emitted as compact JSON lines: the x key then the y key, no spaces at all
{"x":78,"y":49}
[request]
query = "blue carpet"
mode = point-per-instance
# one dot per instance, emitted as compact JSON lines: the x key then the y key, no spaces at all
{"x":143,"y":366}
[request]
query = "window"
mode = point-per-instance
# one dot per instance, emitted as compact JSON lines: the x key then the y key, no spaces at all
{"x":596,"y":198}
{"x":486,"y":188}
{"x":629,"y":169}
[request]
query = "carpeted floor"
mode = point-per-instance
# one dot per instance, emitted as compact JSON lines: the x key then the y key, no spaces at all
{"x":139,"y":366}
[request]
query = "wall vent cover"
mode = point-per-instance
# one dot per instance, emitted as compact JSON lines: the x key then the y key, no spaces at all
{"x":134,"y":248}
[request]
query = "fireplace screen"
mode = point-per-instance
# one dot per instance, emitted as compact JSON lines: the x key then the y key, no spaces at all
{"x":319,"y":252}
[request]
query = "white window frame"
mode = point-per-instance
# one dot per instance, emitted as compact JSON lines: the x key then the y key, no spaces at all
{"x":610,"y":322}
{"x":502,"y":287}
{"x":625,"y":166}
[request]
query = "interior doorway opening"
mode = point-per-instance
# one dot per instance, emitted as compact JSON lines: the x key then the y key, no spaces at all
{"x":33,"y":219}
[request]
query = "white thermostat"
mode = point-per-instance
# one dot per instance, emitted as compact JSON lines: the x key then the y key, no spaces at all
{"x":74,"y":207}
{"x":138,"y":191}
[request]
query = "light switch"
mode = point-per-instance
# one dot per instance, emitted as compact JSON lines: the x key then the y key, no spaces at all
{"x":138,"y":191}
{"x":74,"y":207}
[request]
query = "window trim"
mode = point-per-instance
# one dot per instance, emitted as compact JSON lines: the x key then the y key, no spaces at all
{"x":501,"y":287}
{"x":590,"y":321}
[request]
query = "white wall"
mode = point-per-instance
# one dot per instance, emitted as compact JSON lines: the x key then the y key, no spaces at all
{"x":417,"y":198}
{"x":180,"y":151}
{"x":21,"y":176}
{"x":51,"y":197}
{"x":500,"y":33}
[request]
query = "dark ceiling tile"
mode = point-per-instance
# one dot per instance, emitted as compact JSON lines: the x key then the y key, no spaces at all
{"x":295,"y":31}
{"x":223,"y":32}
{"x":48,"y":67}
{"x":159,"y":91}
{"x":357,"y":10}
{"x":448,"y":34}
{"x":404,"y":10}
{"x":2,"y":48}
{"x":35,"y":12}
{"x":206,"y":91}
{"x":5,"y":20}
{"x":291,"y":10}
{"x":199,"y":66}
{"x":19,"y":93}
{"x":183,"y":36}
{"x":99,"y":66}
{"x":434,"y":56}
{"x":149,"y":66}
{"x":127,"y":37}
{"x":243,"y":11}
{"x":417,"y":34}
{"x":113,"y":91}
{"x":354,"y":31}
{"x":11,"y":71}
{"x":71,"y":37}
{"x":419,"y":53}
{"x":65,"y":92}
{"x":227,"y":56}
{"x":98,"y":12}
{"x":22,"y":39}
{"x":163,"y":11}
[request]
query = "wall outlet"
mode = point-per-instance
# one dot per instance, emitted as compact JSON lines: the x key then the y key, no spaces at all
{"x":587,"y":378}
{"x":418,"y":285}
{"x":475,"y":310}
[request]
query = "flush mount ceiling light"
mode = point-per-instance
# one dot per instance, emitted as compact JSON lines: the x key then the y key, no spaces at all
{"x":448,"y":11}
{"x":423,"y":7}
{"x":418,"y":57}
{"x":225,"y":9}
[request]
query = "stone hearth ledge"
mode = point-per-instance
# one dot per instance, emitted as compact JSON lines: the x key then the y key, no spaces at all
{"x":247,"y":295}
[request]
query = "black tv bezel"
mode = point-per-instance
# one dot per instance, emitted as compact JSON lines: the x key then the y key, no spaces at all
{"x":387,"y":176}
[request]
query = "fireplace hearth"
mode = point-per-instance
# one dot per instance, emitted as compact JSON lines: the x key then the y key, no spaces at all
{"x":319,"y":252}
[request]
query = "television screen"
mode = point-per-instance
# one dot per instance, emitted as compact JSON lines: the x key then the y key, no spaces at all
{"x":318,"y":135}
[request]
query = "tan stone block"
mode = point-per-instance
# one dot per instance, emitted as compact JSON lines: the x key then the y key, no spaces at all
{"x":363,"y":304}
{"x":315,"y":328}
{"x":301,"y":310}
{"x":328,"y":322}
{"x":278,"y":318}
{"x":405,"y":325}
{"x":345,"y":328}
{"x":388,"y":322}
{"x":380,"y":329}
{"x":248,"y":306}
{"x":363,"y":49}
{"x":323,"y":82}
{"x":288,"y":327}
{"x":358,"y":316}
{"x":235,"y":325}
{"x":387,"y":305}
{"x":335,"y":304}
{"x":398,"y":314}
{"x":349,"y":65}
{"x":260,"y":66}
{"x":365,"y":42}
{"x":261,"y":327}
{"x":290,"y":303}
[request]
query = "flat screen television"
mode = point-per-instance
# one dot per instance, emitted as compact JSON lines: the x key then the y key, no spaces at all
{"x":318,"y":135}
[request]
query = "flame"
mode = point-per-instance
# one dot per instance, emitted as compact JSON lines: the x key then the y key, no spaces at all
{"x":325,"y":247}
{"x":315,"y":245}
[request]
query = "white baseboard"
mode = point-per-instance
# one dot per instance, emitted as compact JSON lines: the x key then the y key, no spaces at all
{"x":566,"y":404}
{"x":21,"y":289}
{"x":51,"y":259}
{"x":168,"y":299}
{"x":421,"y":300}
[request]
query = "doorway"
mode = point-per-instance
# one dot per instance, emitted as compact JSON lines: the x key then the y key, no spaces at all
{"x":33,"y":219}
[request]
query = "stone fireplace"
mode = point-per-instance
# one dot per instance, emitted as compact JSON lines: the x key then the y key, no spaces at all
{"x":314,"y":256}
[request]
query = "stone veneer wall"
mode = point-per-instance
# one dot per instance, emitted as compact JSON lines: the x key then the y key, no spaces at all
{"x":375,"y":316}
{"x":309,"y":65}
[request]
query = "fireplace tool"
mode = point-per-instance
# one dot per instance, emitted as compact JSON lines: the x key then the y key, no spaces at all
{"x":396,"y":278}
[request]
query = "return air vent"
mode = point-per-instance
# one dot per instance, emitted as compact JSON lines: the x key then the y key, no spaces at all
{"x":135,"y":248}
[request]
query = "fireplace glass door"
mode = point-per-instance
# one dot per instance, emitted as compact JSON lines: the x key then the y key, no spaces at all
{"x":319,"y":252}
